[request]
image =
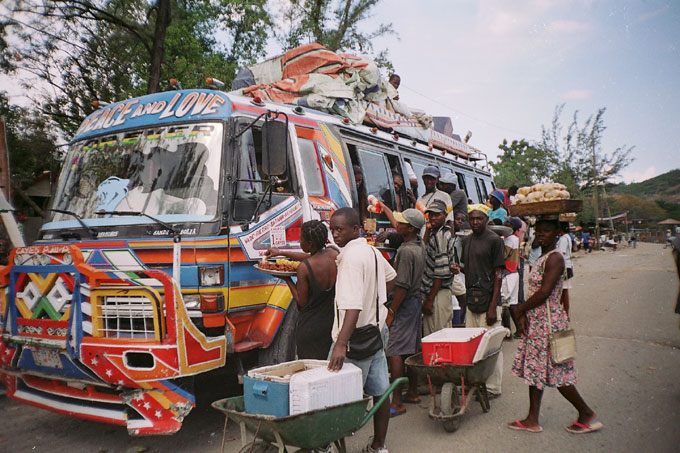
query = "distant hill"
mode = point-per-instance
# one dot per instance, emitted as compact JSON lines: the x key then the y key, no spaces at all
{"x":664,"y":187}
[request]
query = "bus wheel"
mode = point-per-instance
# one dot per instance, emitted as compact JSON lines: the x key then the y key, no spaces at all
{"x":282,"y":348}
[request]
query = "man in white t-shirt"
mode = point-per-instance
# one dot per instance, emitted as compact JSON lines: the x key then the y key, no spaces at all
{"x":564,"y":246}
{"x":364,"y":279}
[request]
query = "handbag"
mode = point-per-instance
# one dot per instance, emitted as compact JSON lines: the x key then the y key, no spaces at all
{"x":562,"y":344}
{"x":366,"y":340}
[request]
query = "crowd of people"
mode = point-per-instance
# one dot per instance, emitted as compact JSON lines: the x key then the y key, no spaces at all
{"x":451,"y":268}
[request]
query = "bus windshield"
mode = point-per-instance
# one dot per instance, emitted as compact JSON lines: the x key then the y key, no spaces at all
{"x":171,"y":172}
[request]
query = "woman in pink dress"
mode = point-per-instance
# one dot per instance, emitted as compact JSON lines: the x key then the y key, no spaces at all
{"x":532,"y":362}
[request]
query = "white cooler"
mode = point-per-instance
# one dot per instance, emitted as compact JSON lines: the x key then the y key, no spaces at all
{"x":318,"y":388}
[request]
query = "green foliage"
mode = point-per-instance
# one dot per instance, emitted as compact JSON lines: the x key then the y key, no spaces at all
{"x":86,"y":50}
{"x":662,"y":186}
{"x":335,"y":24}
{"x":29,"y":140}
{"x":637,"y":208}
{"x":522,"y":164}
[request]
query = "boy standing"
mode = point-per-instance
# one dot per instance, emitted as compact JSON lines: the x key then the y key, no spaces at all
{"x":404,"y":315}
{"x":364,"y":278}
{"x":437,"y":278}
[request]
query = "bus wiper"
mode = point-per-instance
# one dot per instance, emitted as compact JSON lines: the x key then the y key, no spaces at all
{"x":141,"y":214}
{"x":87,"y":228}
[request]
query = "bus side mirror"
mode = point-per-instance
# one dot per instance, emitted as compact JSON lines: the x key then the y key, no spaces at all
{"x":274,"y":148}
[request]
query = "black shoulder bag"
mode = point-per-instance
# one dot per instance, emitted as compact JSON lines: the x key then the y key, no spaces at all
{"x":367,"y":340}
{"x":477,"y":298}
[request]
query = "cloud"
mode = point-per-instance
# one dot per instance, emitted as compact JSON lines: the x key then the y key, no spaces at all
{"x":567,"y":27}
{"x":631,"y":176}
{"x":576,"y":95}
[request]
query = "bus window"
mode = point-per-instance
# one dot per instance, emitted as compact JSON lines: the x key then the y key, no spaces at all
{"x":461,"y":182}
{"x":473,"y":194}
{"x":418,"y":168}
{"x":483,"y":187}
{"x":309,"y":159}
{"x":377,"y":176}
{"x":479,"y":192}
{"x":251,"y":179}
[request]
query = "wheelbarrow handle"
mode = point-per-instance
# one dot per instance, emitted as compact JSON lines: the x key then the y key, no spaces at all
{"x":386,"y":396}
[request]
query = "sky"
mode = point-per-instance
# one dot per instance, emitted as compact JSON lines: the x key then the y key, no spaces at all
{"x":499,"y":69}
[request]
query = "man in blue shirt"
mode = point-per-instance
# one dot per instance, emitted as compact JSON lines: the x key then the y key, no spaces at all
{"x":497,"y":211}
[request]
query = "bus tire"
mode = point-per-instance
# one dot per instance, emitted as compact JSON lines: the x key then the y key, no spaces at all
{"x":282,"y":348}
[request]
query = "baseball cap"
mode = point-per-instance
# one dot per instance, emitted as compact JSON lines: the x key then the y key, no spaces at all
{"x":436,"y":206}
{"x":515,"y":222}
{"x":449,"y":178}
{"x":431,"y":171}
{"x":413,"y":217}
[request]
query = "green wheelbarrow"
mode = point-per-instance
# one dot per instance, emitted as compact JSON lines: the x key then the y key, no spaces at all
{"x":308,"y":431}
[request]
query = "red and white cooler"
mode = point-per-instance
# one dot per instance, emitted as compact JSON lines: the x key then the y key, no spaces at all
{"x":461,"y":346}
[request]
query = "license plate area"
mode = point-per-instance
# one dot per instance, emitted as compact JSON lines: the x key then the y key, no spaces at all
{"x":47,"y":357}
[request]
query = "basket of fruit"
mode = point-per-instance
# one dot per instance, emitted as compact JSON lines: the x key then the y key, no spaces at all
{"x":278,"y":267}
{"x":548,"y":198}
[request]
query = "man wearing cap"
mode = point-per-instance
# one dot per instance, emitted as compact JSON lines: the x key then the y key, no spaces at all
{"x":497,"y":210}
{"x":510,"y":284}
{"x":459,"y":202}
{"x":404,"y":315}
{"x":437,"y":278}
{"x":430,"y":179}
{"x":484,"y":261}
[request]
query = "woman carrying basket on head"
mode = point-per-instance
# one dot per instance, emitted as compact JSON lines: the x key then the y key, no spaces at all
{"x":533,"y":361}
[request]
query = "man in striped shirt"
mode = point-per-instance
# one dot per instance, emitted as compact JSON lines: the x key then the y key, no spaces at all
{"x":437,"y":277}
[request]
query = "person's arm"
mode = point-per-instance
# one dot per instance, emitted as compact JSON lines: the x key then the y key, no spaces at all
{"x":389,"y":214}
{"x":429,"y":299}
{"x":491,"y":315}
{"x":554,"y":267}
{"x":340,"y":348}
{"x":296,"y":256}
{"x":397,"y":299}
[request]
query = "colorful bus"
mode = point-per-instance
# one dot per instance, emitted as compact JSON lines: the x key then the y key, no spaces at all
{"x":142,"y":276}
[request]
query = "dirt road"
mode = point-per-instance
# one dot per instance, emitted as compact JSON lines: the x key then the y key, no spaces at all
{"x":628,"y":368}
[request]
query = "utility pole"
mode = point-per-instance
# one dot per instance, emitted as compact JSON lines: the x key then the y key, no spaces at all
{"x":596,"y":199}
{"x":4,"y":162}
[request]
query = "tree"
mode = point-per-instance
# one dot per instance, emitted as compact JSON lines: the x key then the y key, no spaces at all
{"x":580,"y":152}
{"x":115,"y":49}
{"x":335,"y":24}
{"x":522,"y":164}
{"x":31,"y":147}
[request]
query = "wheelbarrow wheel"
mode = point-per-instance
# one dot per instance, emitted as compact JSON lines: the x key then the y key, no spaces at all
{"x":259,"y":446}
{"x":449,"y":405}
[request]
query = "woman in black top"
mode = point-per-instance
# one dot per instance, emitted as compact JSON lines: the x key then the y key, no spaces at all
{"x":314,"y":292}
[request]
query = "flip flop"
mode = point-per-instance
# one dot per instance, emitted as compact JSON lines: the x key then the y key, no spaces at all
{"x":397,"y":412}
{"x":519,"y":426}
{"x":583,"y":428}
{"x":410,"y":400}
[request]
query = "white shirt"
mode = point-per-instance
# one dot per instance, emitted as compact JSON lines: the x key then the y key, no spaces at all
{"x":355,"y":287}
{"x":564,"y":246}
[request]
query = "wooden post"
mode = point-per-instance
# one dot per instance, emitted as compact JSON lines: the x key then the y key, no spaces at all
{"x":4,"y":162}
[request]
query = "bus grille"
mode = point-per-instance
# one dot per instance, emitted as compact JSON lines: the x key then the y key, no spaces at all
{"x":127,"y":317}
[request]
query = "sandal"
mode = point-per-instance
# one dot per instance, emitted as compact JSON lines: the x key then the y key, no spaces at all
{"x":583,"y":428}
{"x":519,"y":426}
{"x":410,"y":399}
